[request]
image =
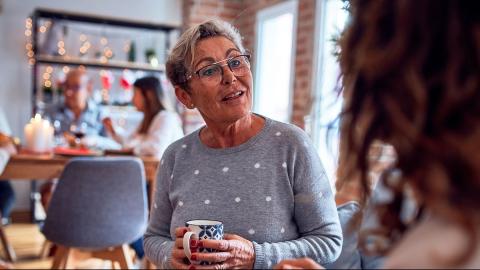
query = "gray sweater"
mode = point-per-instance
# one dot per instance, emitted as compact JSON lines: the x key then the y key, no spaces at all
{"x":271,"y":190}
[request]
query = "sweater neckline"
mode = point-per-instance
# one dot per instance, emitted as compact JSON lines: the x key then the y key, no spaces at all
{"x":250,"y":142}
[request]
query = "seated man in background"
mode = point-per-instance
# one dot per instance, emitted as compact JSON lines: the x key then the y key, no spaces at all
{"x":78,"y":117}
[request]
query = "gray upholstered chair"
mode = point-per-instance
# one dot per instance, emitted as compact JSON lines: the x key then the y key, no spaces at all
{"x":99,"y":206}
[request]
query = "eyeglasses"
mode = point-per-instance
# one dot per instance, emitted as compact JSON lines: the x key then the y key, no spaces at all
{"x":212,"y":74}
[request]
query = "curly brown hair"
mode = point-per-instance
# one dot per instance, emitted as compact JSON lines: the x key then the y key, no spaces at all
{"x":410,"y":75}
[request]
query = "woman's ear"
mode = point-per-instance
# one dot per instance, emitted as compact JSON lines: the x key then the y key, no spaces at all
{"x":184,"y":97}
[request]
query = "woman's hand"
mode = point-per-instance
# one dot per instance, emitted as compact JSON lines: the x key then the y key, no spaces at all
{"x":232,"y":252}
{"x":303,"y":263}
{"x":9,"y":148}
{"x":179,"y":258}
{"x":107,"y":123}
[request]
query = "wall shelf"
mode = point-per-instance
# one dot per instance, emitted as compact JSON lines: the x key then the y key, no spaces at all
{"x":112,"y":64}
{"x":108,"y":25}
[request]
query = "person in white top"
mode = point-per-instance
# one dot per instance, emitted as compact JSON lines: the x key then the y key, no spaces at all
{"x":159,"y":127}
{"x":411,"y":78}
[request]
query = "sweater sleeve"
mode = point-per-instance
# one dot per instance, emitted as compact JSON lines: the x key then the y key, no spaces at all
{"x":315,"y":215}
{"x":158,"y":243}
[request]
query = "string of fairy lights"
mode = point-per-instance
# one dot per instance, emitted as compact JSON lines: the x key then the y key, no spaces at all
{"x":104,"y":55}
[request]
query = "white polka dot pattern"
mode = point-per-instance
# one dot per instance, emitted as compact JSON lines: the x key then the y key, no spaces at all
{"x":257,"y":165}
{"x":237,"y":199}
{"x":180,"y":203}
{"x":282,"y":230}
{"x":278,"y":133}
{"x":225,"y":169}
{"x":284,"y":165}
{"x":196,"y":172}
{"x":251,"y":231}
{"x":184,"y":146}
{"x":268,"y":198}
{"x":207,"y":201}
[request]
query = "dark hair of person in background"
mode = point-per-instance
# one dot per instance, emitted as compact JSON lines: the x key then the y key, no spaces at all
{"x":410,"y":73}
{"x":152,"y":93}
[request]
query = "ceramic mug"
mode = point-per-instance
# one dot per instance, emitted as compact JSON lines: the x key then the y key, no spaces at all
{"x":201,"y":229}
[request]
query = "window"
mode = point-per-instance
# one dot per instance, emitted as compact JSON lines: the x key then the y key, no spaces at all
{"x":331,"y":18}
{"x":276,"y":28}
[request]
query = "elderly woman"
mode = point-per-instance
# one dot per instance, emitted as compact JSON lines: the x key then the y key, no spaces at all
{"x":261,"y":178}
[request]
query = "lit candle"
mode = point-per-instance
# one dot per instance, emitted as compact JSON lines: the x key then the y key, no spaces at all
{"x":39,"y":135}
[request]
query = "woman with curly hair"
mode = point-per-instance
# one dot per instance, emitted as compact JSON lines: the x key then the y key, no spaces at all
{"x":411,"y":79}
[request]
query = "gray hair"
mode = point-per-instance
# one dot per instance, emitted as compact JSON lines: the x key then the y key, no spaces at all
{"x":180,"y":60}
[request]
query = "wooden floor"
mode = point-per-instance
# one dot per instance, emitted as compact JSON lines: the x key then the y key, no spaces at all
{"x":27,"y":242}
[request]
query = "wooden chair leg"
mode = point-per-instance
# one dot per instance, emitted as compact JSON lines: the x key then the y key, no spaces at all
{"x":47,"y":245}
{"x":149,"y":264}
{"x":60,"y":258}
{"x":123,"y":257}
{"x":70,"y":259}
{"x":9,"y":252}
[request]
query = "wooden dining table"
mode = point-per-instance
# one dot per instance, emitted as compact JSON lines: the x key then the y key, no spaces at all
{"x":25,"y":166}
{"x":33,"y":167}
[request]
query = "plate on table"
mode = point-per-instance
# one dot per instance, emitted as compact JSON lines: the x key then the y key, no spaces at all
{"x":76,"y":152}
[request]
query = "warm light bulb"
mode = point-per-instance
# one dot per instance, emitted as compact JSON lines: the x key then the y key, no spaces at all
{"x":66,"y":69}
{"x":43,"y":29}
{"x":49,"y":69}
{"x":104,"y":41}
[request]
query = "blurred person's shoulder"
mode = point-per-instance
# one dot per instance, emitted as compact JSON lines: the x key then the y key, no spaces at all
{"x":430,"y":244}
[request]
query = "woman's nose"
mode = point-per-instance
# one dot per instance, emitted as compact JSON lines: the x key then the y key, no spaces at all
{"x":228,"y":76}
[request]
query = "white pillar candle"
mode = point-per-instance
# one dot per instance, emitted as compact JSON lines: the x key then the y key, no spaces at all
{"x":39,"y":135}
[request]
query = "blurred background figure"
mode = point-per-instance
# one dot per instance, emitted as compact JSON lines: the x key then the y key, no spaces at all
{"x":411,"y":79}
{"x":158,"y":128}
{"x":7,"y":194}
{"x":78,"y":119}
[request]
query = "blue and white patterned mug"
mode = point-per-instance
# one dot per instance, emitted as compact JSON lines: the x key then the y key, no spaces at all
{"x":201,"y":230}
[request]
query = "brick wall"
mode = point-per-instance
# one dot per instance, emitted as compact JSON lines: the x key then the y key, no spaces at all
{"x":242,"y":14}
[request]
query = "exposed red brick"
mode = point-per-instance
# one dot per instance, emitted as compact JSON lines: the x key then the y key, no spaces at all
{"x":242,"y":13}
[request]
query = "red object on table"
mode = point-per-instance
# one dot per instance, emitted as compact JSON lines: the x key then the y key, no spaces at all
{"x":73,"y":151}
